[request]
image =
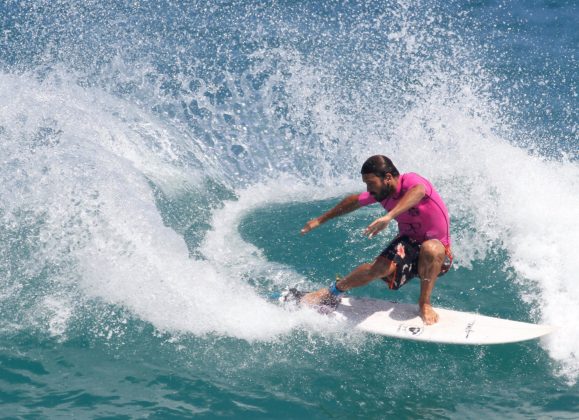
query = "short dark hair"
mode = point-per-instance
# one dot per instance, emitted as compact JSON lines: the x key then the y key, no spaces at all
{"x":379,"y":165}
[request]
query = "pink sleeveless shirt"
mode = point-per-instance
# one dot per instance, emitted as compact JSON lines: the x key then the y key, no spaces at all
{"x":427,"y":220}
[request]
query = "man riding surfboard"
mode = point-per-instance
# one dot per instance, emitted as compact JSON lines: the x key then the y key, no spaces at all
{"x":422,"y":246}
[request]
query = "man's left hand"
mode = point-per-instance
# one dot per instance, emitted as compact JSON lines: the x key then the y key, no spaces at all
{"x":377,"y":226}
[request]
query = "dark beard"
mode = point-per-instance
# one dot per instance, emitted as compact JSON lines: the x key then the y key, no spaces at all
{"x":384,"y":193}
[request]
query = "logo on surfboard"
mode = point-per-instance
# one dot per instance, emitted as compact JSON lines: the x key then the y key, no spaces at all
{"x":469,"y":328}
{"x":412,"y":330}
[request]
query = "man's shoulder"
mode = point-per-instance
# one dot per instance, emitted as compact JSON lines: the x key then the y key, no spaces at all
{"x":414,"y":178}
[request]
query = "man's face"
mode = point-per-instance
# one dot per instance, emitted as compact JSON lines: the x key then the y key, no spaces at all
{"x":379,"y":188}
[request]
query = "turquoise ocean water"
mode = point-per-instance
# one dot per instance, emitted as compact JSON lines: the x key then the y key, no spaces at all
{"x":158,"y":160}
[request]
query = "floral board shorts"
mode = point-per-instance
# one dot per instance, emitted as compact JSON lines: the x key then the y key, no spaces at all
{"x":403,"y":252}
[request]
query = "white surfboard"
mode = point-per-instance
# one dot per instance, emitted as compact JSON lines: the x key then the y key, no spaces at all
{"x":403,"y":321}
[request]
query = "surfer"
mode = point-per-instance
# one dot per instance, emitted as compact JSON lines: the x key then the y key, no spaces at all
{"x":422,"y":246}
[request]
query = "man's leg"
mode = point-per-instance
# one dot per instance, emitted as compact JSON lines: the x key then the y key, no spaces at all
{"x":432,"y":255}
{"x":365,"y":273}
{"x":360,"y":276}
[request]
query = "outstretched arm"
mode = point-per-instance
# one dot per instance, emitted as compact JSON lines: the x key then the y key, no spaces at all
{"x":345,"y":206}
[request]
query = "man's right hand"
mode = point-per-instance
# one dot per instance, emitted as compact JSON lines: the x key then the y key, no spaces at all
{"x":312,"y":224}
{"x":348,"y":204}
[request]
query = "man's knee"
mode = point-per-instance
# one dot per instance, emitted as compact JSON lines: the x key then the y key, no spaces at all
{"x":432,"y":250}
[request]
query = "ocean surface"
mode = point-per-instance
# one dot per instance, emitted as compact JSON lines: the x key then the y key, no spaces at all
{"x":159,"y":158}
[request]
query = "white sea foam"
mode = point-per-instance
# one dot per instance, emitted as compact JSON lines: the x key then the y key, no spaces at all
{"x":58,"y":310}
{"x":84,"y":183}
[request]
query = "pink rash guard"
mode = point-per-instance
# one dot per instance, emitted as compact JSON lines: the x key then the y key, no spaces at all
{"x":428,"y":220}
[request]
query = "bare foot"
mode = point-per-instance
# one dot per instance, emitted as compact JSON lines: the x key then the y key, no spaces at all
{"x":428,"y":315}
{"x":319,"y":297}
